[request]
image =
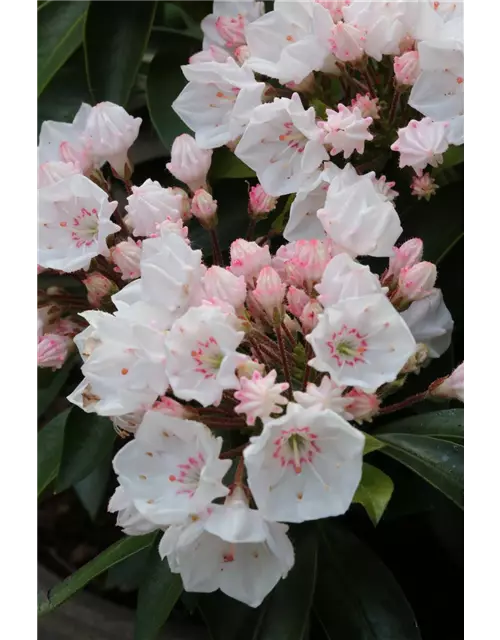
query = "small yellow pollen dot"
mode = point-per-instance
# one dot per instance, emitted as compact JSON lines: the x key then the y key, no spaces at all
{"x":148,"y":453}
{"x":289,"y":38}
{"x":124,"y":371}
{"x":194,"y":517}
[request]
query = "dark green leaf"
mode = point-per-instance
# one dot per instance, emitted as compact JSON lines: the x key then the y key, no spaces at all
{"x":226,"y":165}
{"x":439,"y":462}
{"x":159,"y":591}
{"x":116,"y":35}
{"x":127,"y":575}
{"x":288,"y":609}
{"x":374,"y":492}
{"x":49,"y":448}
{"x":437,"y":424}
{"x":453,"y":156}
{"x":88,"y":439}
{"x":117,"y":552}
{"x":60,"y":33}
{"x":53,"y":382}
{"x":92,"y":489}
{"x":357,"y":597}
{"x":228,"y":619}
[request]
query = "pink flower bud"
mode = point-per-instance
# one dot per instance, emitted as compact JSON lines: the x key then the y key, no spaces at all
{"x":66,"y":327}
{"x":270,"y":293}
{"x":204,"y":207}
{"x":260,"y":203}
{"x":173,"y":227}
{"x":407,"y":255}
{"x":309,"y":317}
{"x":171,"y":407}
{"x":126,"y":256}
{"x":222,"y":284}
{"x":308,"y":262}
{"x":53,"y":350}
{"x":363,"y":407}
{"x":452,"y":386}
{"x":247,"y":259}
{"x":185,"y":207}
{"x":291,"y":324}
{"x":189,"y":163}
{"x":367,"y":105}
{"x":247,"y":368}
{"x":213,"y":53}
{"x":423,"y":186}
{"x":407,"y":68}
{"x":242,"y":53}
{"x":297,"y":300}
{"x":231,"y":29}
{"x":98,"y":287}
{"x":416,"y":282}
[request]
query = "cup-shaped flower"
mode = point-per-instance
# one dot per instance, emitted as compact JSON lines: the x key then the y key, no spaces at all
{"x":150,"y":204}
{"x":248,"y":258}
{"x":420,"y":143}
{"x":223,"y":285}
{"x":430,"y":323}
{"x":345,"y":278}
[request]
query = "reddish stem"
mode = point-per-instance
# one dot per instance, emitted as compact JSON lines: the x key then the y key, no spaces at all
{"x":232,"y":453}
{"x":394,"y":106}
{"x":216,"y":248}
{"x":284,"y":360}
{"x":404,"y":403}
{"x":288,"y":334}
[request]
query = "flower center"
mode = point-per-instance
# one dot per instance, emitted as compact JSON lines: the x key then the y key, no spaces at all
{"x":292,"y":136}
{"x":189,"y":475}
{"x":207,"y":357}
{"x":347,"y":346}
{"x":295,"y":447}
{"x":85,"y":227}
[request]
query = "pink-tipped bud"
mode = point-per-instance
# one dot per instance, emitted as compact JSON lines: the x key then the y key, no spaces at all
{"x":53,"y":350}
{"x":223,"y":285}
{"x":407,"y":255}
{"x":415,"y":283}
{"x":407,"y":68}
{"x":308,"y":262}
{"x":185,"y":203}
{"x":189,"y":163}
{"x":231,"y":29}
{"x":247,"y":259}
{"x":98,"y":287}
{"x":204,"y":207}
{"x":423,"y":186}
{"x":213,"y":53}
{"x":368,"y":106}
{"x":452,"y":386}
{"x":363,"y":407}
{"x":247,"y":368}
{"x":297,"y":300}
{"x":270,"y":293}
{"x":126,"y":256}
{"x":260,"y":203}
{"x":291,"y":324}
{"x":172,"y":227}
{"x":171,"y":407}
{"x":309,"y":317}
{"x":242,"y":53}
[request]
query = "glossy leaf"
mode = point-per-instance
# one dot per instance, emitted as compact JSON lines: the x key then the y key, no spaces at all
{"x":53,"y":382}
{"x":371,"y":444}
{"x":357,"y":597}
{"x":437,"y":461}
{"x":117,"y":552}
{"x":91,"y":491}
{"x":127,"y":575}
{"x":448,"y":425}
{"x":226,"y":165}
{"x":88,"y":439}
{"x":287,"y":612}
{"x":116,"y":35}
{"x":60,"y":33}
{"x":159,"y":591}
{"x":453,"y":156}
{"x":374,"y":492}
{"x":49,"y":449}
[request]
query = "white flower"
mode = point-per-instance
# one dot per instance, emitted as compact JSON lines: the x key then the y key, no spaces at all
{"x":328,"y":395}
{"x":189,"y":163}
{"x":150,"y":204}
{"x":128,"y":422}
{"x":217,"y":101}
{"x":223,"y":285}
{"x":212,"y":53}
{"x":226,"y":26}
{"x":129,"y":519}
{"x":452,"y":386}
{"x":421,"y":143}
{"x":383,"y":187}
{"x":362,"y":342}
{"x":430,"y":323}
{"x":305,"y":465}
{"x":407,"y":68}
{"x":73,"y":223}
{"x":346,"y":130}
{"x":53,"y":350}
{"x":345,"y":278}
{"x":260,"y":396}
{"x":112,"y":132}
{"x":357,"y":217}
{"x":248,"y":258}
{"x":291,"y":41}
{"x":281,"y":144}
{"x":202,"y":355}
{"x":63,"y":142}
{"x":347,"y":42}
{"x":126,"y":256}
{"x":171,"y":468}
{"x":232,"y":548}
{"x":54,"y":171}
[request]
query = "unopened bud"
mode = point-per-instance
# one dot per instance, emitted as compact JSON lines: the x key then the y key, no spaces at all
{"x":297,"y":300}
{"x":417,"y":359}
{"x":450,"y":387}
{"x":423,"y":186}
{"x":407,"y":68}
{"x":270,"y":293}
{"x":362,"y":406}
{"x":189,"y":163}
{"x":417,"y":282}
{"x":231,"y":29}
{"x":407,"y":255}
{"x":126,"y":256}
{"x":247,"y":368}
{"x":204,"y":207}
{"x":242,"y":53}
{"x":185,"y":208}
{"x":260,"y":203}
{"x":309,"y":317}
{"x":98,"y":287}
{"x":53,"y":350}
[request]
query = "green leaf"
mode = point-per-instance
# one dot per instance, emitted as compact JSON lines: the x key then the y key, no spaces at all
{"x":158,"y":593}
{"x":60,"y":33}
{"x":357,"y":597}
{"x":117,"y":552}
{"x":49,"y":448}
{"x":447,"y":424}
{"x":439,"y":462}
{"x":164,"y":83}
{"x":289,"y":606}
{"x":127,"y":575}
{"x":453,"y":156}
{"x":371,"y":444}
{"x":228,"y":619}
{"x":53,"y":383}
{"x":374,"y":492}
{"x":91,"y":491}
{"x":226,"y":165}
{"x":116,"y":35}
{"x":88,"y":439}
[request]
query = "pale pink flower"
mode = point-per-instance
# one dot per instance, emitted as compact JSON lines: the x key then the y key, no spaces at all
{"x":188,"y":163}
{"x":368,"y":106}
{"x":384,"y":187}
{"x":260,"y":396}
{"x":247,"y":259}
{"x":55,"y":171}
{"x":231,"y":30}
{"x":297,"y":300}
{"x":452,"y":386}
{"x":222,"y":284}
{"x":362,"y":406}
{"x":407,"y":68}
{"x":204,"y":207}
{"x":53,"y":350}
{"x":150,"y":204}
{"x":270,"y":293}
{"x":416,"y":282}
{"x":260,"y":203}
{"x":347,"y":42}
{"x":328,"y":395}
{"x":346,"y":130}
{"x":304,"y":261}
{"x":420,"y":143}
{"x":335,"y":7}
{"x":242,"y":53}
{"x":98,"y":287}
{"x":126,"y":256}
{"x":423,"y":186}
{"x":407,"y":255}
{"x":213,"y":53}
{"x":309,"y":315}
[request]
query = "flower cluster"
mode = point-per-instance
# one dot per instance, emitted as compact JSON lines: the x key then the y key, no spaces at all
{"x":241,"y":385}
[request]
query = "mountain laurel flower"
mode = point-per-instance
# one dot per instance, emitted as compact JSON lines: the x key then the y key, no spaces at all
{"x":150,"y":204}
{"x":260,"y":396}
{"x":129,"y":422}
{"x":55,"y":171}
{"x":112,"y":131}
{"x":407,"y":255}
{"x":407,"y":68}
{"x":346,"y":130}
{"x":231,"y":30}
{"x":223,"y":285}
{"x":384,"y":187}
{"x":423,"y":186}
{"x":430,"y":322}
{"x":242,"y":53}
{"x":416,"y":282}
{"x":361,"y":406}
{"x":53,"y":350}
{"x":420,"y":143}
{"x":310,"y":315}
{"x":204,"y":207}
{"x":367,"y":105}
{"x":452,"y":386}
{"x":269,"y":293}
{"x":228,"y":23}
{"x":303,"y":262}
{"x":297,"y":300}
{"x":189,"y":163}
{"x":328,"y":395}
{"x":126,"y":256}
{"x":128,"y":518}
{"x":98,"y":287}
{"x":247,"y":259}
{"x":260,"y":203}
{"x":347,"y":42}
{"x":213,"y":53}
